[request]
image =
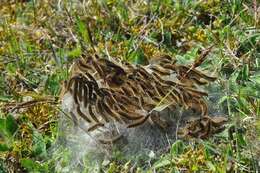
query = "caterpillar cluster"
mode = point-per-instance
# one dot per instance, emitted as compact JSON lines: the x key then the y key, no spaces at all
{"x":105,"y":91}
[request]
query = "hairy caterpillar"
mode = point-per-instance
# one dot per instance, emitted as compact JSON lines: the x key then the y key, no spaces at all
{"x":105,"y":91}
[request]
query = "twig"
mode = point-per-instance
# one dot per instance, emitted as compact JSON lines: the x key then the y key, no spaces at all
{"x":27,"y":104}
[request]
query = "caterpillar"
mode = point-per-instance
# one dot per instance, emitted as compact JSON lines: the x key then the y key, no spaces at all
{"x":116,"y":91}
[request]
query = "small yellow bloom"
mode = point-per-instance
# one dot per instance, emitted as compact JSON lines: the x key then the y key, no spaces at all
{"x":200,"y":35}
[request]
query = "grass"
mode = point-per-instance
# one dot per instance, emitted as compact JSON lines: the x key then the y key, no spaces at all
{"x":40,"y":39}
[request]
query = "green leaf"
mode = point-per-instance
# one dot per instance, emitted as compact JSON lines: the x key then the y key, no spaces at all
{"x":240,"y":139}
{"x":168,"y":38}
{"x":4,"y":147}
{"x":5,"y":98}
{"x":53,"y":82}
{"x":222,"y":99}
{"x":84,"y":31}
{"x":11,"y":68}
{"x":256,"y":79}
{"x":225,"y":133}
{"x":39,"y":146}
{"x":112,"y":168}
{"x":137,"y":57}
{"x":122,"y":11}
{"x":28,"y":164}
{"x":249,"y":91}
{"x":245,"y":72}
{"x":8,"y":126}
{"x":33,"y":167}
{"x":174,"y":170}
{"x":211,"y":166}
{"x":2,"y":167}
{"x":178,"y":147}
{"x":2,"y":126}
{"x":11,"y":125}
{"x":74,"y":53}
{"x":162,"y":163}
{"x":229,"y":151}
{"x":194,"y":168}
{"x":209,"y":150}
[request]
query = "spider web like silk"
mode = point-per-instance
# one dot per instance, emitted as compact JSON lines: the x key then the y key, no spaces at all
{"x":135,"y":142}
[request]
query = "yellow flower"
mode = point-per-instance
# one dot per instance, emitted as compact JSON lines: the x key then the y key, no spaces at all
{"x":200,"y":35}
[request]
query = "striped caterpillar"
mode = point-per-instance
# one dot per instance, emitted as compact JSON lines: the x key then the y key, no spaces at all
{"x":107,"y":91}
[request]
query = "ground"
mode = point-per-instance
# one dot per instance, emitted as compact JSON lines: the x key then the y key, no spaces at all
{"x":39,"y":40}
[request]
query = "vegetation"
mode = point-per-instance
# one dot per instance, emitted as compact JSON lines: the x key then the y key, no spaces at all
{"x":40,"y":39}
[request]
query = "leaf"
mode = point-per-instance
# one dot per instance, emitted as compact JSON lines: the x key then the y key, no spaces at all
{"x":177,"y":148}
{"x":122,"y":11}
{"x":32,"y":166}
{"x":249,"y":91}
{"x":11,"y":125}
{"x":138,"y":57}
{"x":161,"y":107}
{"x":2,"y":167}
{"x":240,"y":139}
{"x":11,"y":68}
{"x":28,"y":164}
{"x":39,"y":146}
{"x":255,"y":79}
{"x":83,"y":31}
{"x":162,"y":163}
{"x":112,"y":168}
{"x":4,"y":147}
{"x":74,"y":53}
{"x":209,"y":150}
{"x":53,"y":82}
{"x":194,"y":168}
{"x":229,"y":151}
{"x":245,"y":72}
{"x":5,"y":98}
{"x":175,"y":170}
{"x":8,"y":126}
{"x":222,"y":99}
{"x":2,"y":126}
{"x":211,"y":166}
{"x":225,"y":133}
